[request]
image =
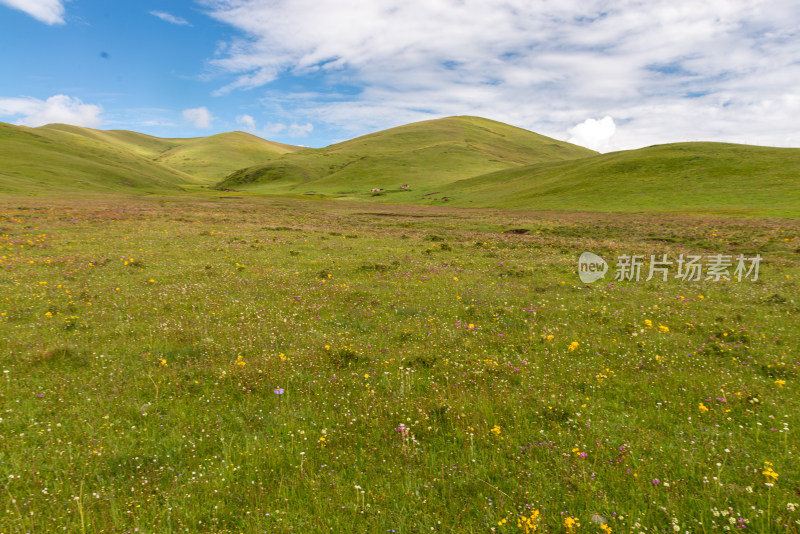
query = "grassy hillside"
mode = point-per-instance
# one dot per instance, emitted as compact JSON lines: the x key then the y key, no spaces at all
{"x":463,"y":161}
{"x":422,"y":155}
{"x":35,"y":160}
{"x":212,"y":158}
{"x":142,"y":144}
{"x":684,"y":176}
{"x":60,"y":157}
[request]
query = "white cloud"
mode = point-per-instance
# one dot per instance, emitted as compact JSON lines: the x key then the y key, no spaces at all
{"x":199,"y":117}
{"x":594,"y":134}
{"x":247,"y":121}
{"x":56,"y":109}
{"x":274,"y":128}
{"x":300,"y":130}
{"x":167,"y":17}
{"x":657,"y":68}
{"x":47,"y":11}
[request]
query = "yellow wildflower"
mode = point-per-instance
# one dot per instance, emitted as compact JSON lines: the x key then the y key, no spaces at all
{"x":703,"y":408}
{"x":529,"y":523}
{"x":768,"y":472}
{"x":571,"y":523}
{"x":573,"y":346}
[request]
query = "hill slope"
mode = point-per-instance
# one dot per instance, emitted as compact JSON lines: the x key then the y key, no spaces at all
{"x":682,"y":176}
{"x":423,"y":155}
{"x":34,"y":160}
{"x":138,"y":143}
{"x":214,"y":157}
{"x":60,"y":157}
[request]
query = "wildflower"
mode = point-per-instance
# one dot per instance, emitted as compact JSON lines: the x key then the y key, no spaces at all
{"x":529,"y":523}
{"x":655,"y":481}
{"x":573,"y":346}
{"x":663,"y":328}
{"x":768,"y":472}
{"x":240,"y":361}
{"x":571,"y":523}
{"x":502,"y":522}
{"x":283,"y":357}
{"x":780,"y":383}
{"x":703,"y":408}
{"x":605,"y":528}
{"x":648,"y":323}
{"x":495,"y":430}
{"x":163,"y":362}
{"x":278,"y":391}
{"x":549,"y":337}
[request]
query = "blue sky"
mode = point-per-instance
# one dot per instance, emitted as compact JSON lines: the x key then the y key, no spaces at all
{"x":605,"y":74}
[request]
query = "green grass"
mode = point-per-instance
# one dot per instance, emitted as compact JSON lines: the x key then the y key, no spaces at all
{"x":140,"y":369}
{"x":422,"y":155}
{"x":42,"y":160}
{"x":79,"y":160}
{"x":212,"y":158}
{"x":737,"y":179}
{"x":459,"y":161}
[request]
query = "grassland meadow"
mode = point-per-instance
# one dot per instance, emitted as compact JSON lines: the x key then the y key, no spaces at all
{"x":234,"y":364}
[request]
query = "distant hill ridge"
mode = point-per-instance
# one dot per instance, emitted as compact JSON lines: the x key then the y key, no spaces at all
{"x":461,"y":161}
{"x":424,"y":154}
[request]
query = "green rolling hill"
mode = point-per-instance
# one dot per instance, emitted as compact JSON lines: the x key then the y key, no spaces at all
{"x":676,"y":177}
{"x":214,"y":157}
{"x":60,"y":158}
{"x":461,"y":161}
{"x":141,"y":144}
{"x":42,"y":160}
{"x":421,"y":155}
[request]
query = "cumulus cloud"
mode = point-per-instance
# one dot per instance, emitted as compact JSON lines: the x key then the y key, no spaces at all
{"x":198,"y":117}
{"x":300,"y":130}
{"x":274,"y":128}
{"x":59,"y":108}
{"x":545,"y":66}
{"x":247,"y":121}
{"x":172,"y":19}
{"x":594,"y":134}
{"x":47,"y":11}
